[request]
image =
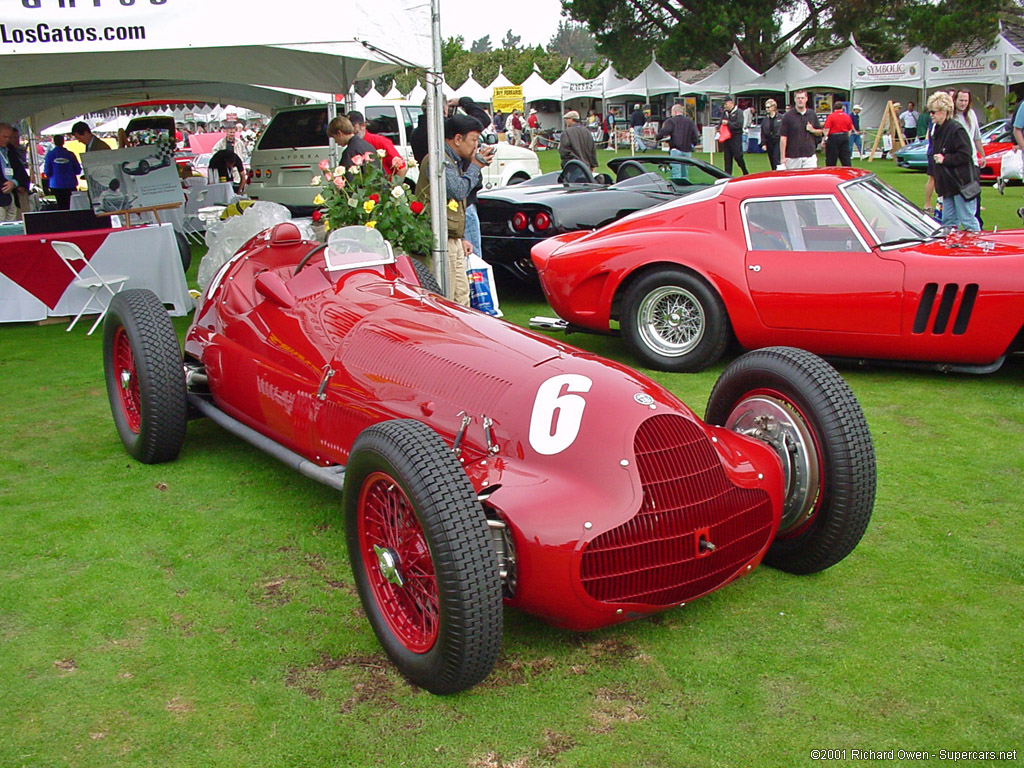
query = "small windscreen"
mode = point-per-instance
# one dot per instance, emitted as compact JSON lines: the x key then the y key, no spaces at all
{"x":296,"y":128}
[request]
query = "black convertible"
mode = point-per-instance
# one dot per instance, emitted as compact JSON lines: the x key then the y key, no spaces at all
{"x":515,"y":218}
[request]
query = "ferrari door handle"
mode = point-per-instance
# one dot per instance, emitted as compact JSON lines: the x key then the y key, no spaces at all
{"x":754,"y":267}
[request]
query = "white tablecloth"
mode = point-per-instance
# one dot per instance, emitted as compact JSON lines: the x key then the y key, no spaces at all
{"x":147,"y":255}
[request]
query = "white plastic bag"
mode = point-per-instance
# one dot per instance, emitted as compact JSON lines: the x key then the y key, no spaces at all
{"x":1013,"y":165}
{"x":483,"y":295}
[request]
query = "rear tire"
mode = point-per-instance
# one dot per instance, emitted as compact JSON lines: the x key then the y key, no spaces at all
{"x":672,"y":321}
{"x":827,"y":446}
{"x":421,"y":556}
{"x":184,"y":251}
{"x":145,"y":378}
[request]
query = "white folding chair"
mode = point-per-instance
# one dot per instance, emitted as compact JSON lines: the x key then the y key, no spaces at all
{"x":190,"y":226}
{"x":87,"y":277}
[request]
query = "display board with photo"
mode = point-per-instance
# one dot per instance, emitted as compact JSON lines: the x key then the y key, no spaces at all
{"x":135,"y":177}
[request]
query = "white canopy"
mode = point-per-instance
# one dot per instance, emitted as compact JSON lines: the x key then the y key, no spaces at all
{"x":836,"y":76}
{"x":393,"y":94}
{"x":652,"y":81}
{"x":780,"y":77}
{"x":536,"y":88}
{"x":55,"y":67}
{"x":598,"y":88}
{"x":735,"y":73}
{"x":417,"y":94}
{"x":500,"y":81}
{"x":473,"y":90}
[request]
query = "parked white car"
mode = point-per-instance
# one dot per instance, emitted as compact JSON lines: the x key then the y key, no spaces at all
{"x":289,"y":151}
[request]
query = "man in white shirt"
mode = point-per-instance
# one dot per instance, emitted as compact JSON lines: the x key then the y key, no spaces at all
{"x":909,"y":120}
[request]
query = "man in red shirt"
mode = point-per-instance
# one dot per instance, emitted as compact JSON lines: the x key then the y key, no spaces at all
{"x":838,"y":127}
{"x":394,"y":164}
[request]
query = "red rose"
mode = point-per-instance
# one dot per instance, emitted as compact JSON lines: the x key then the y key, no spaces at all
{"x":317,"y":215}
{"x":375,"y":197}
{"x":417,"y":207}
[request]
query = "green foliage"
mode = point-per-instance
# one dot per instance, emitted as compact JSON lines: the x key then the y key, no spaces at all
{"x":364,"y":195}
{"x":483,"y":45}
{"x":690,"y":35}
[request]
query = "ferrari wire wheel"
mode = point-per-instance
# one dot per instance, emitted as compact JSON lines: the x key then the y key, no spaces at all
{"x":674,"y":321}
{"x":671,"y":320}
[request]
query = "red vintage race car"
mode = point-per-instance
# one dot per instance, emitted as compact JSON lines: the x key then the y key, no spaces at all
{"x":830,"y":260}
{"x":480,"y":462}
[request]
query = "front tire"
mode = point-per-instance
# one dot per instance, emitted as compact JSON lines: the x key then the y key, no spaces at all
{"x":802,"y":407}
{"x":672,"y":321}
{"x":427,"y":280}
{"x":184,"y":250}
{"x":145,"y":378}
{"x":421,"y":555}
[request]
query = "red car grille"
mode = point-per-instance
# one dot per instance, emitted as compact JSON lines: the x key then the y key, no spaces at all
{"x":657,"y":558}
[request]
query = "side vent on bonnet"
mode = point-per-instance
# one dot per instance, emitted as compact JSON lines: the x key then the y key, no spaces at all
{"x":947,"y":301}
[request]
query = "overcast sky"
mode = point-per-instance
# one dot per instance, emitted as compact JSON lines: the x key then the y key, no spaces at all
{"x":535,"y":21}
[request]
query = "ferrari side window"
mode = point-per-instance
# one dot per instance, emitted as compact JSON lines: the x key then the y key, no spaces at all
{"x":766,"y":223}
{"x":558,"y":413}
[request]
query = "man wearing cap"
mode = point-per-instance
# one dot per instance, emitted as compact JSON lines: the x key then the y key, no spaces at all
{"x":855,"y":133}
{"x":534,"y":125}
{"x":576,"y":142}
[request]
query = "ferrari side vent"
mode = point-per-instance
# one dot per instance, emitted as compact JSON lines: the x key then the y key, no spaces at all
{"x":947,"y":302}
{"x":694,"y":529}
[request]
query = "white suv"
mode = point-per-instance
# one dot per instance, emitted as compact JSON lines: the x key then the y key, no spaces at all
{"x":288,"y":153}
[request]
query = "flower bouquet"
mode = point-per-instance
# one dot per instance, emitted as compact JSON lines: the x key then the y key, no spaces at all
{"x":364,"y":195}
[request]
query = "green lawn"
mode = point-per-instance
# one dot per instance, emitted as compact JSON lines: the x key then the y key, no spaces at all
{"x":202,"y":613}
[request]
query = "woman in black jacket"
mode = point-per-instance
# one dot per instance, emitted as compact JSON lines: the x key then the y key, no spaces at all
{"x":951,"y":150}
{"x":770,"y":134}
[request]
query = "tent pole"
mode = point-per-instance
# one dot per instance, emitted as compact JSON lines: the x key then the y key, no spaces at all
{"x":435,"y":150}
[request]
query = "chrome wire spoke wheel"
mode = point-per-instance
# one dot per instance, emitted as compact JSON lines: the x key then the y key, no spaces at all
{"x":671,"y":320}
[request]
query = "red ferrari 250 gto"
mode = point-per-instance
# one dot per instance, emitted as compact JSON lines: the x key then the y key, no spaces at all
{"x":830,"y":260}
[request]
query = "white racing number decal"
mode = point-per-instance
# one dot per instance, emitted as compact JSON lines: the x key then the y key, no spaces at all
{"x":557,"y":414}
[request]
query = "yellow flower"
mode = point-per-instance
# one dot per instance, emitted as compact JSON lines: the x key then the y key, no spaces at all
{"x":371,"y":224}
{"x":319,"y":199}
{"x":368,"y":205}
{"x":327,"y":225}
{"x":453,"y":205}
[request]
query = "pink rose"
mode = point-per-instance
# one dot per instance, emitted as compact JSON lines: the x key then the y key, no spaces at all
{"x":358,"y":159}
{"x":397,"y":164}
{"x":325,"y":164}
{"x":339,"y":182}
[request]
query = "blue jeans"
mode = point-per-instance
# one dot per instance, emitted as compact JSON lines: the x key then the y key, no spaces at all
{"x":855,"y":141}
{"x":638,"y":139}
{"x":473,"y":229}
{"x":957,"y":213}
{"x":680,"y":171}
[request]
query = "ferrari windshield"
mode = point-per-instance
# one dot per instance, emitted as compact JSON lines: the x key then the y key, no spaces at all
{"x":888,"y":215}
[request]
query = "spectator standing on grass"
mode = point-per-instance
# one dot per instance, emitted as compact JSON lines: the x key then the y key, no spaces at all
{"x":732,"y":147}
{"x":682,"y":134}
{"x":534,"y":124}
{"x":770,"y":125}
{"x":838,"y":126}
{"x":951,"y":150}
{"x":610,"y":127}
{"x":909,"y":119}
{"x":798,"y":134}
{"x":462,"y":167}
{"x":855,"y":134}
{"x":636,"y":125}
{"x":62,"y":169}
{"x":576,"y":142}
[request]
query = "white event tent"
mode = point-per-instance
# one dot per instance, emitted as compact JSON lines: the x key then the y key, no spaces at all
{"x":735,"y":73}
{"x":780,"y":77}
{"x":653,"y":81}
{"x":536,"y":88}
{"x":473,"y":90}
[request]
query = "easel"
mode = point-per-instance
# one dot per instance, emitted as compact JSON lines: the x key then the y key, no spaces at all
{"x":890,"y":121}
{"x":154,"y":209}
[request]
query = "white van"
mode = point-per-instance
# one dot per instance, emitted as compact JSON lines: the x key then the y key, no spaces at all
{"x":288,"y":153}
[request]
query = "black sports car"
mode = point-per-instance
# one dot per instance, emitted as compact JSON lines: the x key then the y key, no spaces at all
{"x":515,"y":218}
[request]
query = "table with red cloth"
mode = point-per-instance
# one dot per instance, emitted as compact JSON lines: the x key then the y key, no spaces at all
{"x":36,"y":284}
